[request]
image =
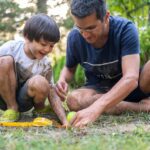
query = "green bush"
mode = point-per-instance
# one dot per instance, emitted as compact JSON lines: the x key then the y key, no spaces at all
{"x":79,"y":75}
{"x":79,"y":78}
{"x":145,"y":45}
{"x":60,"y":62}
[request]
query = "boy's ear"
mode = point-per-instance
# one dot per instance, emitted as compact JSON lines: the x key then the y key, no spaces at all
{"x":25,"y":37}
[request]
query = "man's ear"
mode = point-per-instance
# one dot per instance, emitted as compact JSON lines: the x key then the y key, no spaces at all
{"x":106,"y":19}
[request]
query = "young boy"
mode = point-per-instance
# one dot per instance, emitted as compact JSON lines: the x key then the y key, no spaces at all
{"x":26,"y":73}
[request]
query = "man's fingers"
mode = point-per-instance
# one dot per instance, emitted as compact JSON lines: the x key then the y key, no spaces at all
{"x":61,"y":95}
{"x":73,"y":119}
{"x":80,"y":124}
{"x":59,"y":88}
{"x":78,"y":121}
{"x":62,"y":88}
{"x":65,"y":88}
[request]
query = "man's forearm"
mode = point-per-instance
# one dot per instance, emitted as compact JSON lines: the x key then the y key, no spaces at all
{"x":57,"y":106}
{"x":67,"y":74}
{"x":115,"y":95}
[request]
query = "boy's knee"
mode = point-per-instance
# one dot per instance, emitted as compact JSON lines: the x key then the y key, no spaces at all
{"x":6,"y":63}
{"x":38,"y":85}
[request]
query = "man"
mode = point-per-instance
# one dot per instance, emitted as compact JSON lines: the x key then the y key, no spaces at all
{"x":108,"y":49}
{"x":26,"y":73}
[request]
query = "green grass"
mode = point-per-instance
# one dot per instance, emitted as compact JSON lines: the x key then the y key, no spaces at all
{"x":129,"y":131}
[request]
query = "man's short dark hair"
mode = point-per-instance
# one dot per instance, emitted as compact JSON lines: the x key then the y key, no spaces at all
{"x":84,"y":8}
{"x":41,"y":26}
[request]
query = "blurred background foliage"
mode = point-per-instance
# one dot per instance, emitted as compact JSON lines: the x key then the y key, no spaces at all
{"x":14,"y":13}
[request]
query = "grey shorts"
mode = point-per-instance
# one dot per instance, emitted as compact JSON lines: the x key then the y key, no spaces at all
{"x":25,"y":102}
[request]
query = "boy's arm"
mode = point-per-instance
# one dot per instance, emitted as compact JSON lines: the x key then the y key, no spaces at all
{"x":56,"y":104}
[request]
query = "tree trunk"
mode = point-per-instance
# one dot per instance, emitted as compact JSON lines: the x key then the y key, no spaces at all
{"x":42,"y":6}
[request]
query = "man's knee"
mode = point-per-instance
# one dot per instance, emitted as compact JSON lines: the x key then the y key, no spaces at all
{"x":38,"y":85}
{"x":144,"y":78}
{"x":73,"y":102}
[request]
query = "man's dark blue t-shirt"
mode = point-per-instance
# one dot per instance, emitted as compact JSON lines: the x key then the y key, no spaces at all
{"x":102,"y":66}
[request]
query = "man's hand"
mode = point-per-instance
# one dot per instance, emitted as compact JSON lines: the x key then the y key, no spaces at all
{"x":85,"y":116}
{"x":62,"y":89}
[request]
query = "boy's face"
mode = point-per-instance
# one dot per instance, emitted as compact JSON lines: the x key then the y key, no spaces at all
{"x":38,"y":49}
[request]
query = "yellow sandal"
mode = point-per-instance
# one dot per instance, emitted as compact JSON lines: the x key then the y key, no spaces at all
{"x":10,"y":115}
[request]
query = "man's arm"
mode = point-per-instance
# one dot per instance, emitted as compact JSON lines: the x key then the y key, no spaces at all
{"x":128,"y":82}
{"x":62,"y":84}
{"x":67,"y":74}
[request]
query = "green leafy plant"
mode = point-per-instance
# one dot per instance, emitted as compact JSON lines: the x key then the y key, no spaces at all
{"x":145,"y":45}
{"x":60,"y":62}
{"x":78,"y":79}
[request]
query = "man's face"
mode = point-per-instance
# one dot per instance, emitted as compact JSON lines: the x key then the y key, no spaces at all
{"x":38,"y":49}
{"x":91,"y":28}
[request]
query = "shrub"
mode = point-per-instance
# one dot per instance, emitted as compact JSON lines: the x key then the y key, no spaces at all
{"x":78,"y":79}
{"x":145,"y":45}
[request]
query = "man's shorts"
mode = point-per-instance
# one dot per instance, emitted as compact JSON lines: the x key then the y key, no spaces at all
{"x":136,"y":96}
{"x":25,"y":102}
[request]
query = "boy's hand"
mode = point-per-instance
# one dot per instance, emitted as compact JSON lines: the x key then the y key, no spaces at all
{"x":65,"y":125}
{"x":62,"y":89}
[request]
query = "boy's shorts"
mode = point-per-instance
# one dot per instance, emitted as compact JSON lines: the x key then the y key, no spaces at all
{"x":24,"y":102}
{"x":136,"y":96}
